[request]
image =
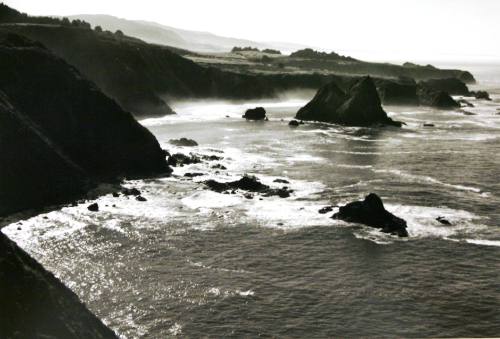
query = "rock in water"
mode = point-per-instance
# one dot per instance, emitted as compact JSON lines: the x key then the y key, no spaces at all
{"x":360,"y":106}
{"x":293,"y":123}
{"x":437,"y":99}
{"x":371,"y":212}
{"x":250,"y":184}
{"x":93,"y":207}
{"x":481,"y":95}
{"x":443,"y":221}
{"x":324,"y":105}
{"x":183,"y":142}
{"x":451,"y":86}
{"x":401,"y":91}
{"x":363,"y":108}
{"x":258,"y":113}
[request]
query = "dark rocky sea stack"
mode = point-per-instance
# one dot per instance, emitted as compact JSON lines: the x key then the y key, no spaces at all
{"x":402,"y":91}
{"x":437,"y":99}
{"x":258,"y":113}
{"x":360,"y":106}
{"x":324,"y":105}
{"x":452,"y":86}
{"x":371,"y":212}
{"x":35,"y":304}
{"x":76,"y":133}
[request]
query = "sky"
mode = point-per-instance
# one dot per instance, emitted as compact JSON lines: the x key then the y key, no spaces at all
{"x":391,"y":30}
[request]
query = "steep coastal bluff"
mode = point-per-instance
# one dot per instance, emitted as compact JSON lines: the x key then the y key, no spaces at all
{"x":59,"y":136}
{"x":35,"y":304}
{"x":78,"y":134}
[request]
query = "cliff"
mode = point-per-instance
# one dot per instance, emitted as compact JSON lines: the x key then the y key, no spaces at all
{"x":42,"y":93}
{"x":35,"y":304}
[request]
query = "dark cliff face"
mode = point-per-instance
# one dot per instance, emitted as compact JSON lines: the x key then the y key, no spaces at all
{"x":59,"y":132}
{"x":136,"y":74}
{"x":33,"y":171}
{"x":35,"y":304}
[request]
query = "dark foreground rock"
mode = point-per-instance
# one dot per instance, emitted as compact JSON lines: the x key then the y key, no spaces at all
{"x":183,"y":142}
{"x":60,"y":133}
{"x":371,"y":212}
{"x":249,"y":184}
{"x":358,"y":106}
{"x":258,"y":113}
{"x":35,"y":304}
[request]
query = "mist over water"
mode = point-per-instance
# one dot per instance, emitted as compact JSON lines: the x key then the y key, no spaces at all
{"x":193,"y":262}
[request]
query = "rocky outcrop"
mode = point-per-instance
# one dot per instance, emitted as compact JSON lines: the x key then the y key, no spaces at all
{"x":480,"y":95}
{"x":258,"y":113}
{"x":371,"y":212}
{"x":452,"y":86}
{"x":358,"y":106}
{"x":183,"y":142}
{"x":61,"y":132}
{"x":35,"y":304}
{"x":402,"y":91}
{"x":249,"y":184}
{"x":437,"y":99}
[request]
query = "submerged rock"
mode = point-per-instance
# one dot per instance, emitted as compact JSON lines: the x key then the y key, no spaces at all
{"x":293,"y":123}
{"x":429,"y":125}
{"x":140,"y":198}
{"x":183,"y":142}
{"x":443,"y":221}
{"x":192,"y":175}
{"x":131,"y":191}
{"x":258,"y":113}
{"x":249,"y":184}
{"x":281,"y":181}
{"x":359,"y":106}
{"x":371,"y":212}
{"x":325,"y":210}
{"x":179,"y":159}
{"x":465,"y":103}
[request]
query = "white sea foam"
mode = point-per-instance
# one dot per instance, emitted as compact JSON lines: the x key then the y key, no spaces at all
{"x":210,"y":199}
{"x":484,"y":242}
{"x":430,"y":180}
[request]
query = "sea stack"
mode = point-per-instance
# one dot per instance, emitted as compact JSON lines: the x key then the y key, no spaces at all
{"x":257,"y":113}
{"x":371,"y":212}
{"x":358,"y":106}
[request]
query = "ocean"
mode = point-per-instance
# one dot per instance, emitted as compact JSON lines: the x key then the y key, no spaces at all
{"x":191,"y":262}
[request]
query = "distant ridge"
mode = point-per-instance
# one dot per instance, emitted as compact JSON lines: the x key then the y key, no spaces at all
{"x":203,"y":42}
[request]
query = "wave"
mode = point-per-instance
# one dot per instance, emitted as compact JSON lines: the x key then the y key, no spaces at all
{"x":431,"y":180}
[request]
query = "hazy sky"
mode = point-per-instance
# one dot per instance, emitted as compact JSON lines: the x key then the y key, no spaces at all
{"x":455,"y":30}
